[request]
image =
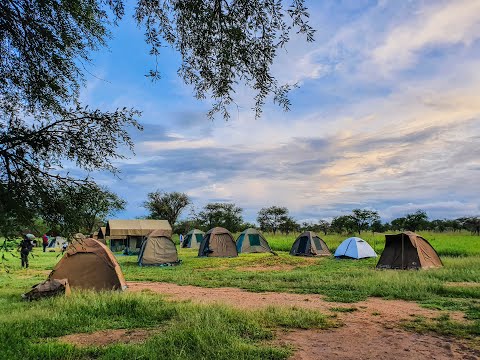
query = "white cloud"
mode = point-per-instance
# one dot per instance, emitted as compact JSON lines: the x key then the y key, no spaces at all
{"x":453,"y":22}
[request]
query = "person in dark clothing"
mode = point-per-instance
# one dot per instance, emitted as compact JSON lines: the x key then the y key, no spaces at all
{"x":25,"y":248}
{"x":45,"y":242}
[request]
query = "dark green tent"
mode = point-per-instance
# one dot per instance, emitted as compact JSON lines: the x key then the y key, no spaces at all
{"x":252,"y":241}
{"x":309,"y":244}
{"x":193,"y":239}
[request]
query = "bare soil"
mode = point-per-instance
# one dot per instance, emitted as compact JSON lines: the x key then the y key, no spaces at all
{"x":371,"y":332}
{"x":107,"y":337}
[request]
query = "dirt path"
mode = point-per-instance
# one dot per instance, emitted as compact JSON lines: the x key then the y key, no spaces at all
{"x":370,"y":332}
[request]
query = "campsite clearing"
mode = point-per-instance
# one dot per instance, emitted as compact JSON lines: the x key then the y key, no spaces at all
{"x":273,"y":313}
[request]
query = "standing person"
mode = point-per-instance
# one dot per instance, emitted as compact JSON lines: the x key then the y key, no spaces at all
{"x":181,"y":239}
{"x":25,"y":248}
{"x":45,"y":242}
{"x":64,"y":247}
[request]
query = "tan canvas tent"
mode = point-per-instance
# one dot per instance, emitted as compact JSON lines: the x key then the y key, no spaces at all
{"x":130,"y":233}
{"x":101,"y":234}
{"x":88,"y":264}
{"x":218,"y":242}
{"x":193,"y":239}
{"x":408,"y":251}
{"x":158,"y":249}
{"x":252,"y":241}
{"x":309,"y":244}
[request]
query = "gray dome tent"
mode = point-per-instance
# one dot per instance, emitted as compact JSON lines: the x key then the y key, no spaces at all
{"x":218,"y":242}
{"x":158,"y":249}
{"x":309,"y":244}
{"x":193,"y":239}
{"x":252,"y":241}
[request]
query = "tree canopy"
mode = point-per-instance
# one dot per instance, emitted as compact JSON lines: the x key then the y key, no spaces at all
{"x":166,"y":206}
{"x":226,"y":215}
{"x":45,"y":46}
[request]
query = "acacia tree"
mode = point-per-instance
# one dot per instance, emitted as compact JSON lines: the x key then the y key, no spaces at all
{"x":288,"y":225}
{"x":324,"y":226}
{"x":226,"y":215}
{"x":416,"y":221}
{"x":270,"y":218}
{"x":164,"y":205}
{"x":44,"y":46}
{"x":364,"y":218}
{"x":81,"y":208}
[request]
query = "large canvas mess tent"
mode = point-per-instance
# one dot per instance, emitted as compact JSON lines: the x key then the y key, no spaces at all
{"x":158,"y":249}
{"x":252,"y":241}
{"x":309,"y":244}
{"x":218,"y":242}
{"x":355,"y":248}
{"x":130,"y":233}
{"x":193,"y":239}
{"x":88,"y":264}
{"x":408,"y":251}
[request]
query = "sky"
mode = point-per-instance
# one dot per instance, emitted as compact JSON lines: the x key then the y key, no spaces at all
{"x":386,"y":117}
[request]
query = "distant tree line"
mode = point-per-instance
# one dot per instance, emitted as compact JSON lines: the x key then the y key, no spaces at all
{"x":276,"y":219}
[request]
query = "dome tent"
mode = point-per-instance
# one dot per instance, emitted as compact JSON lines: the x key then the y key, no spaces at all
{"x":193,"y":239}
{"x":158,"y":249}
{"x":309,"y":244}
{"x":252,"y":241}
{"x":218,"y":242}
{"x":355,"y":248}
{"x":408,"y":250}
{"x":88,"y":264}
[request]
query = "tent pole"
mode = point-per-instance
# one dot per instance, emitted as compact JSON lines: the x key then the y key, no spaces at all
{"x":402,"y":251}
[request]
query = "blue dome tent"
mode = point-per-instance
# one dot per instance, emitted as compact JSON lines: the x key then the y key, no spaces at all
{"x":355,"y":248}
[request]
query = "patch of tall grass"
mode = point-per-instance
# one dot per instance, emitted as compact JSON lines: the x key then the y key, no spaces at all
{"x":187,"y":331}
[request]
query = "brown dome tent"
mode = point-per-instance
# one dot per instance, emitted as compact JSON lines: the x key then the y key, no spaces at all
{"x":252,"y":241}
{"x":408,"y":251}
{"x":158,"y":249}
{"x":193,"y":239}
{"x":218,"y":242}
{"x":88,"y":264}
{"x":309,"y":244}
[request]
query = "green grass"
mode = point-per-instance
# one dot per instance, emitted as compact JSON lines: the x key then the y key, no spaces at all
{"x":187,"y":331}
{"x":29,"y":329}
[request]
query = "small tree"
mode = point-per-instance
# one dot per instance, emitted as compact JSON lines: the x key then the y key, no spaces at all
{"x":324,"y":226}
{"x":364,"y":218}
{"x":226,"y":215}
{"x":166,"y":206}
{"x":344,"y":223}
{"x":377,"y":226}
{"x":81,"y":208}
{"x":270,"y":218}
{"x":416,"y":221}
{"x":289,"y":225}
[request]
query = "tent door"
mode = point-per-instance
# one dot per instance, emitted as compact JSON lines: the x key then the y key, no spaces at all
{"x":302,"y":246}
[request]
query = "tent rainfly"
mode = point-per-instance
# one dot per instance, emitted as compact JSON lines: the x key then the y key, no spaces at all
{"x":101,"y":232}
{"x":309,"y":244}
{"x":158,"y":249}
{"x":218,"y":242}
{"x":252,"y":241}
{"x":193,"y":239}
{"x":130,"y":233}
{"x":406,"y":251}
{"x":355,"y":248}
{"x":88,"y":264}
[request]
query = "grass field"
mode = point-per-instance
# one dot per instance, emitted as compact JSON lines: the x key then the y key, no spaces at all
{"x":28,"y":330}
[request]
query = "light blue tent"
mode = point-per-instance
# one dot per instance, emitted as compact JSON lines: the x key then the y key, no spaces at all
{"x":355,"y":248}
